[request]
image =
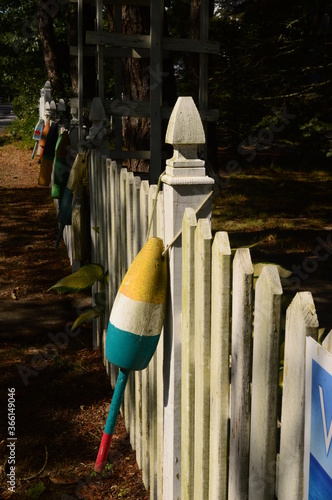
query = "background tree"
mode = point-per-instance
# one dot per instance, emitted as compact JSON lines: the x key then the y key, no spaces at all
{"x":275,"y":55}
{"x":272,"y":61}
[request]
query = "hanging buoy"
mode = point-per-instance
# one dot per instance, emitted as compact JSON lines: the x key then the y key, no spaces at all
{"x":43,"y":138}
{"x":37,"y":133}
{"x":134,"y":328}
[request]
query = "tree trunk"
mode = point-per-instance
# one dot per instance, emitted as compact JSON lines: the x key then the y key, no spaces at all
{"x":48,"y":42}
{"x":135,"y":86}
{"x":72,"y":36}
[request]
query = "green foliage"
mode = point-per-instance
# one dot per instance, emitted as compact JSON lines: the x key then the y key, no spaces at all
{"x":106,"y":472}
{"x":36,"y":490}
{"x":21,"y":130}
{"x":84,"y":278}
{"x":315,"y":133}
{"x":268,"y":62}
{"x":123,"y":492}
{"x":87,"y":316}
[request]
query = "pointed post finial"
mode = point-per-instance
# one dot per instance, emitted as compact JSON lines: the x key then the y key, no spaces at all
{"x":185,"y":132}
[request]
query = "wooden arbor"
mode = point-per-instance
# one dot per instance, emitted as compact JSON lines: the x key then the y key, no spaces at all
{"x":118,"y":46}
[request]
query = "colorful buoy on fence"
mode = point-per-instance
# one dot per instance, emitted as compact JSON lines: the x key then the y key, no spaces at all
{"x":134,"y":326}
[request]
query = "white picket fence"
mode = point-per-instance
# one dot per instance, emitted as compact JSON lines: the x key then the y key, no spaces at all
{"x":203,"y":417}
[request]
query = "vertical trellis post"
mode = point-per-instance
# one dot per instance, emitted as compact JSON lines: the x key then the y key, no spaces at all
{"x":80,"y":67}
{"x":156,"y":77}
{"x":185,"y":185}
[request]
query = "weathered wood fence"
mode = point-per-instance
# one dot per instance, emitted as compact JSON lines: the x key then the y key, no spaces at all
{"x":204,"y":417}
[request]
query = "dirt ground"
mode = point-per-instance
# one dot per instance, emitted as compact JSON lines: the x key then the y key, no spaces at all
{"x":58,"y":382}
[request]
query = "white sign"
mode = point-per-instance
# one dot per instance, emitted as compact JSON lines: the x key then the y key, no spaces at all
{"x":318,"y":423}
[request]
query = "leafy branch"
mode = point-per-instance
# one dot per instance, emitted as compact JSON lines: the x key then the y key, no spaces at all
{"x":81,"y":280}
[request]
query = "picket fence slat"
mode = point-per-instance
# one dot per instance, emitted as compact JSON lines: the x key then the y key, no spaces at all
{"x":93,"y":183}
{"x":141,"y":377}
{"x":102,"y":236}
{"x":301,"y":321}
{"x":137,"y":244}
{"x":108,"y":215}
{"x":203,"y":240}
{"x":129,"y":411}
{"x":144,"y":215}
{"x":113,"y":218}
{"x":220,"y":335}
{"x":102,"y":212}
{"x":123,"y":225}
{"x":138,"y":411}
{"x":144,"y":210}
{"x":99,"y":242}
{"x":130,"y":217}
{"x":137,"y":375}
{"x":77,"y":223}
{"x":114,"y":250}
{"x":265,"y":383}
{"x":240,"y":375}
{"x":327,"y":342}
{"x":188,"y":355}
{"x":160,"y":366}
{"x":152,"y":410}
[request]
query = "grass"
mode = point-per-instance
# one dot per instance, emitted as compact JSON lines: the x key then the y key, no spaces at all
{"x":20,"y":132}
{"x":263,"y":203}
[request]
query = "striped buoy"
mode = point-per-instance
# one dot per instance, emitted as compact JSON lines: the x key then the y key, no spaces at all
{"x":134,"y":326}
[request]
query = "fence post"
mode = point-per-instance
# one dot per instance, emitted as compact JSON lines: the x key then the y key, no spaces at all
{"x":185,"y":185}
{"x":301,"y":321}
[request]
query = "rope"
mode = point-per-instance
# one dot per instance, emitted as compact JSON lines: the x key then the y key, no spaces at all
{"x":180,"y":232}
{"x":154,"y":209}
{"x":154,"y":205}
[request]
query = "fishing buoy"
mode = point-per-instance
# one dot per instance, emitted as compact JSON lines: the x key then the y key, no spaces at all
{"x":37,"y":133}
{"x":43,"y":137}
{"x":134,"y":327}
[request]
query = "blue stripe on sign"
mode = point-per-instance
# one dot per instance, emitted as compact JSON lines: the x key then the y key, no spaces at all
{"x":129,"y":351}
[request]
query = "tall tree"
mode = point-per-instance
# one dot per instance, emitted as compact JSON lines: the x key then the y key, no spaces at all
{"x":46,"y":13}
{"x":135,"y":85}
{"x":136,"y":82}
{"x":22,"y":72}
